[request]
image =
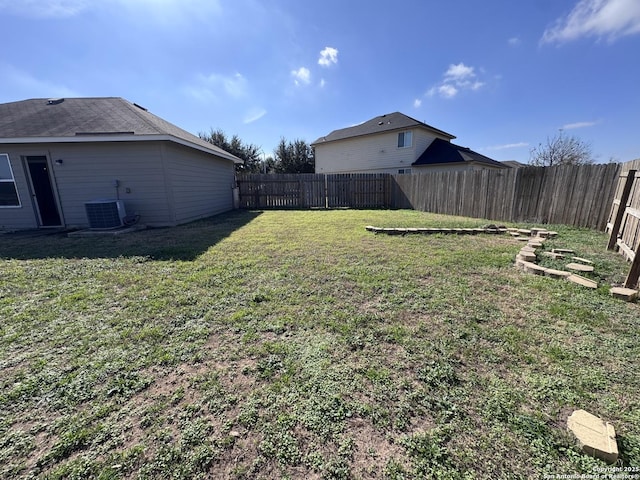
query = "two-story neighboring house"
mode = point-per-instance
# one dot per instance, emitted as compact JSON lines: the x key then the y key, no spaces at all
{"x":394,"y":143}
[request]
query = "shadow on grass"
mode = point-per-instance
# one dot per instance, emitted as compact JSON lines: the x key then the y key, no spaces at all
{"x":185,"y":242}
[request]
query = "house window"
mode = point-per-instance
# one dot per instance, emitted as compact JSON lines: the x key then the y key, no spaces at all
{"x":404,"y":139}
{"x":404,"y":171}
{"x":8,"y":192}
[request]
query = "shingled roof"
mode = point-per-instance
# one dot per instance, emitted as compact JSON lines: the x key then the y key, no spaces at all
{"x":440,"y":151}
{"x":42,"y":120}
{"x":383,"y":123}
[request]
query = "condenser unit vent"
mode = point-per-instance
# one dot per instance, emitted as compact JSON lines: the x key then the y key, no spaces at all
{"x":105,"y":214}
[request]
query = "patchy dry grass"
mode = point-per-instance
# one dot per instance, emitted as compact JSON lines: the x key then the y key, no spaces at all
{"x":298,"y":345}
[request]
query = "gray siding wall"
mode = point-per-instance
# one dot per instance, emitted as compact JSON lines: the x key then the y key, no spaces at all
{"x":24,"y":216}
{"x":89,"y":171}
{"x":200,"y":184}
{"x":165,"y":183}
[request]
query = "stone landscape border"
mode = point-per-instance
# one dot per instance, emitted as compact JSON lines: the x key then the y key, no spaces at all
{"x":527,"y":258}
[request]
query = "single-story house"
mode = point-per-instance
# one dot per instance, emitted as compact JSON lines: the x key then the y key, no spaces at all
{"x":394,"y":143}
{"x":59,"y":158}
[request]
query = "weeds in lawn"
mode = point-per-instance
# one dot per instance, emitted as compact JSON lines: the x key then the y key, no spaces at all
{"x":296,"y":344}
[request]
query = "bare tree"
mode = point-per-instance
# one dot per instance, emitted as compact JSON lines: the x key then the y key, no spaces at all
{"x":561,"y":150}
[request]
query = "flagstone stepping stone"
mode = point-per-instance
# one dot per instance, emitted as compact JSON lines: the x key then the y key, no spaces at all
{"x":579,"y":267}
{"x":585,"y":282}
{"x":582,"y":260}
{"x":514,"y":234}
{"x":562,"y":250}
{"x":528,"y":248}
{"x":535,"y":244}
{"x":627,"y":294}
{"x":522,"y":239}
{"x":524,"y":231}
{"x":532,"y":268}
{"x":553,"y":255}
{"x":595,"y":436}
{"x":553,"y":273}
{"x":528,"y":256}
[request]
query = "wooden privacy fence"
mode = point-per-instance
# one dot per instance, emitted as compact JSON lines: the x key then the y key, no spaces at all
{"x":308,"y":190}
{"x":624,"y":220}
{"x":571,"y":195}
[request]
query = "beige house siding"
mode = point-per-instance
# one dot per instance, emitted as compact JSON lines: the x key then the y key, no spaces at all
{"x":201,"y":185}
{"x":165,"y":183}
{"x":371,"y":153}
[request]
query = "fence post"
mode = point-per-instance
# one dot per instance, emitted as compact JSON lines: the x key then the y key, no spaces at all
{"x":615,"y":229}
{"x":634,"y":272}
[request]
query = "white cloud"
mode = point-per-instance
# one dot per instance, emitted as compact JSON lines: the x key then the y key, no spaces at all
{"x":209,"y":87}
{"x":417,"y":103}
{"x":301,"y":76}
{"x":28,"y":85}
{"x":328,"y":57}
{"x":508,"y":146}
{"x":573,"y":126}
{"x":459,"y":72}
{"x":598,"y":18}
{"x":44,"y":8}
{"x":447,"y":91}
{"x":254,"y":115}
{"x":514,"y":41}
{"x":456,"y":79}
{"x":323,"y":82}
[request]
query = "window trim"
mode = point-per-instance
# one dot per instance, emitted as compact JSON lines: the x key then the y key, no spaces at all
{"x":12,"y":180}
{"x":404,"y":139}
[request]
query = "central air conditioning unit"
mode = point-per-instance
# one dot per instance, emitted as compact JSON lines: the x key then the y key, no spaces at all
{"x":105,"y":214}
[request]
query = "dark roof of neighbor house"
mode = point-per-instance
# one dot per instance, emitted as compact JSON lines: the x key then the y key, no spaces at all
{"x":440,"y":151}
{"x":383,"y":123}
{"x":91,"y":119}
{"x":513,"y":163}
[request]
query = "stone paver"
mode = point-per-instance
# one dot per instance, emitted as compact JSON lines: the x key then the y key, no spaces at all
{"x":582,"y":260}
{"x":579,"y":267}
{"x":585,"y":282}
{"x":595,"y":436}
{"x":558,"y":274}
{"x":627,"y":294}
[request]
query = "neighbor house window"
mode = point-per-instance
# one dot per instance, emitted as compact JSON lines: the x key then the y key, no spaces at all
{"x":404,"y":139}
{"x":8,"y":191}
{"x":404,"y":171}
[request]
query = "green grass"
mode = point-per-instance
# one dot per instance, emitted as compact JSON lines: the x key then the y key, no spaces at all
{"x":297,"y":345}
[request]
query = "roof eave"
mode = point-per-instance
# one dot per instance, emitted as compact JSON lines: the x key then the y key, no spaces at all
{"x":120,"y":138}
{"x":391,"y":130}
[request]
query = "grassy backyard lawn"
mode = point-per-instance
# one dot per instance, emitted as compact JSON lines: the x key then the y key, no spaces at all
{"x":298,"y":345}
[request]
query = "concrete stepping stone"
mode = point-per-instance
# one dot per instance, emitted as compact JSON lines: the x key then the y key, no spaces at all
{"x":585,"y":282}
{"x":626,"y":294}
{"x":595,"y":436}
{"x":579,"y":267}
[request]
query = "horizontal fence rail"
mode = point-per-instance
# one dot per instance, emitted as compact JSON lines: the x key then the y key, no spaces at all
{"x":572,"y":195}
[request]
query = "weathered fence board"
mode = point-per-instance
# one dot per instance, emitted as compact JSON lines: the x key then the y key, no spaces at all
{"x":624,"y":220}
{"x":571,"y":195}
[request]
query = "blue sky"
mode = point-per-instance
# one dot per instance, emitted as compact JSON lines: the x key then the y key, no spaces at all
{"x":500,"y":75}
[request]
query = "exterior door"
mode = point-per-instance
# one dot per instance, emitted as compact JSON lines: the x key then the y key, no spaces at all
{"x":42,"y":191}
